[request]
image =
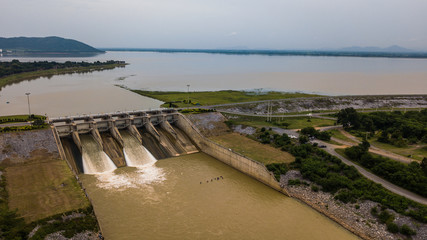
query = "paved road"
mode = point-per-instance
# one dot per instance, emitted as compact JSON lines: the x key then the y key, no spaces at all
{"x":373,"y":149}
{"x":18,"y":124}
{"x":314,"y":115}
{"x":330,"y":148}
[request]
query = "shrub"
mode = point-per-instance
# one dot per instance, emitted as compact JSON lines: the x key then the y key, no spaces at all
{"x":392,"y":227}
{"x":406,"y":230}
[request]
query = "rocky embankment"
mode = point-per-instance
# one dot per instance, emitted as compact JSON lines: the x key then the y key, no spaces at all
{"x":355,"y":217}
{"x":329,"y":103}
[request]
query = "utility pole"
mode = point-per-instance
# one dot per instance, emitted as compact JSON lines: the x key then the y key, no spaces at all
{"x":28,"y":99}
{"x":188,"y":93}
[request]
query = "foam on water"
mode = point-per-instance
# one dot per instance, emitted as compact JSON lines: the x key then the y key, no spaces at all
{"x":143,"y":176}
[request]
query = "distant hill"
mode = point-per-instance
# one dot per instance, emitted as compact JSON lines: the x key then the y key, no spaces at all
{"x":44,"y":45}
{"x":391,"y":49}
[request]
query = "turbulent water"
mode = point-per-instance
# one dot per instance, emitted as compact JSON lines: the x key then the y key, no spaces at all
{"x":135,"y":153}
{"x":94,"y":159}
{"x":197,"y":197}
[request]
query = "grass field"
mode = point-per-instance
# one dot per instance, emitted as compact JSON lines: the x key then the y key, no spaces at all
{"x":337,"y":134}
{"x":43,"y":186}
{"x":17,"y":118}
{"x":417,"y":151}
{"x":15,"y":78}
{"x":218,"y":97}
{"x":263,"y":153}
{"x":294,"y":122}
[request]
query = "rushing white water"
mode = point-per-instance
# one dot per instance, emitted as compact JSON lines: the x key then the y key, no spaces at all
{"x":94,"y":158}
{"x":135,"y":153}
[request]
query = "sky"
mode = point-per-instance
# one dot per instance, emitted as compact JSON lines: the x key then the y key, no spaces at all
{"x":253,"y":24}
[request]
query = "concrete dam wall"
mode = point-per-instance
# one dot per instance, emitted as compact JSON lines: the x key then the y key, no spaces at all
{"x":102,"y":143}
{"x":161,"y":134}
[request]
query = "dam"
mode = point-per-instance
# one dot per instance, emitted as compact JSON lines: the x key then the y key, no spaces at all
{"x":104,"y":142}
{"x":152,"y":175}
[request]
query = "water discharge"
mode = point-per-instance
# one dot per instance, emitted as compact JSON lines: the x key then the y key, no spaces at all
{"x":197,"y":197}
{"x":135,"y":153}
{"x":94,"y":158}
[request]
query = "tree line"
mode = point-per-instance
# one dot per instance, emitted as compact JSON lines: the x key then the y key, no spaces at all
{"x":411,"y":176}
{"x":396,"y":128}
{"x":15,"y":66}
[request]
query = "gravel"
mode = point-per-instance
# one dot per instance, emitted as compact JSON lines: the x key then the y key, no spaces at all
{"x":359,"y":221}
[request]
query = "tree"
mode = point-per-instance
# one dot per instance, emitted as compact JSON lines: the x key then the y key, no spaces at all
{"x":348,"y":117}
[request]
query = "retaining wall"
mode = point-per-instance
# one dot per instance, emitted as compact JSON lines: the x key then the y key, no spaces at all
{"x":246,"y":165}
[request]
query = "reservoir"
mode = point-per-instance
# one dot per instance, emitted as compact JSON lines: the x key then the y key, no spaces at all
{"x":97,"y":92}
{"x":175,"y":198}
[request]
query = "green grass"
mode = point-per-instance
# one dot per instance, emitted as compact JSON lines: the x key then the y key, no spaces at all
{"x":294,"y":122}
{"x":217,"y":97}
{"x":15,"y":78}
{"x":18,"y":118}
{"x":43,"y":186}
{"x":417,"y":151}
{"x":263,"y":153}
{"x":338,"y":135}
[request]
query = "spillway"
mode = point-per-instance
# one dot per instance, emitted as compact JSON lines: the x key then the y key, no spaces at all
{"x":94,"y":158}
{"x":135,"y":153}
{"x":152,"y":145}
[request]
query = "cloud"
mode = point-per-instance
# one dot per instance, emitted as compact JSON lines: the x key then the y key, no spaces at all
{"x":232,"y":34}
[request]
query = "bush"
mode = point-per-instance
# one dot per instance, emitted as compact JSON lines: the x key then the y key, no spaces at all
{"x":392,"y":227}
{"x":406,"y":230}
{"x":277,"y":169}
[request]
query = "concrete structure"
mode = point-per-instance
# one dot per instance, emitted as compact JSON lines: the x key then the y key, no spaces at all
{"x":94,"y":124}
{"x":248,"y":166}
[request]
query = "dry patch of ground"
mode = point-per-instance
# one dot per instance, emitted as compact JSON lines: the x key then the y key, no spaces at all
{"x":43,"y":186}
{"x":39,"y":183}
{"x":209,"y":124}
{"x":263,"y":153}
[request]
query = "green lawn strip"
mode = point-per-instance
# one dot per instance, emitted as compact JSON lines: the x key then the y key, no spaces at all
{"x":217,"y":97}
{"x":265,"y":154}
{"x":19,"y":118}
{"x":15,"y":78}
{"x":337,"y":134}
{"x":417,"y":151}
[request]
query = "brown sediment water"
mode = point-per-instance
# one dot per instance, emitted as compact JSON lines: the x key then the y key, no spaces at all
{"x":197,"y":197}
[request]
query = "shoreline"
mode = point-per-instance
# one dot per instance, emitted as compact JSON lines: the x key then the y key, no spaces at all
{"x":26,"y":76}
{"x":355,"y":218}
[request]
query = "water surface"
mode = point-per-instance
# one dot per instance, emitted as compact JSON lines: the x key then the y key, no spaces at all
{"x":179,"y":201}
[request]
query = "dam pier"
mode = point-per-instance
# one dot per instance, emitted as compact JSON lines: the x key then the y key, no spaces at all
{"x":103,"y":142}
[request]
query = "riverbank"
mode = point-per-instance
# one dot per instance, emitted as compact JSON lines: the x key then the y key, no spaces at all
{"x":15,"y":78}
{"x":42,"y":188}
{"x":356,"y":217}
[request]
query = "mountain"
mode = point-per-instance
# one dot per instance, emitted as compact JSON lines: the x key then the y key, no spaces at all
{"x":45,"y":45}
{"x":394,"y":49}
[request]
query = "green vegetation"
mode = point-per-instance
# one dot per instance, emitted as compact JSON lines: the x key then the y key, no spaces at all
{"x":253,"y":149}
{"x":12,"y":226}
{"x":71,"y":226}
{"x":196,"y":110}
{"x":396,"y":128}
{"x":291,"y":123}
{"x":37,"y":122}
{"x":311,"y":132}
{"x":20,"y":118}
{"x":411,"y":176}
{"x":180,"y":99}
{"x":338,"y":135}
{"x":46,"y":45}
{"x":16,"y":71}
{"x":331,"y":175}
{"x":277,"y":169}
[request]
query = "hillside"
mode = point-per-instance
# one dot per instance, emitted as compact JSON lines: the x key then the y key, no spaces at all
{"x":44,"y":45}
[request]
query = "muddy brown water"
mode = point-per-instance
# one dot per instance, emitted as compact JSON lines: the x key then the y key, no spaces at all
{"x":198,"y":197}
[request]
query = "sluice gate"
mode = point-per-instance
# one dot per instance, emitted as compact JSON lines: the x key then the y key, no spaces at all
{"x":154,"y":131}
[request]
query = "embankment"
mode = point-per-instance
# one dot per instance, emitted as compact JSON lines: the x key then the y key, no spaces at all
{"x":228,"y":156}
